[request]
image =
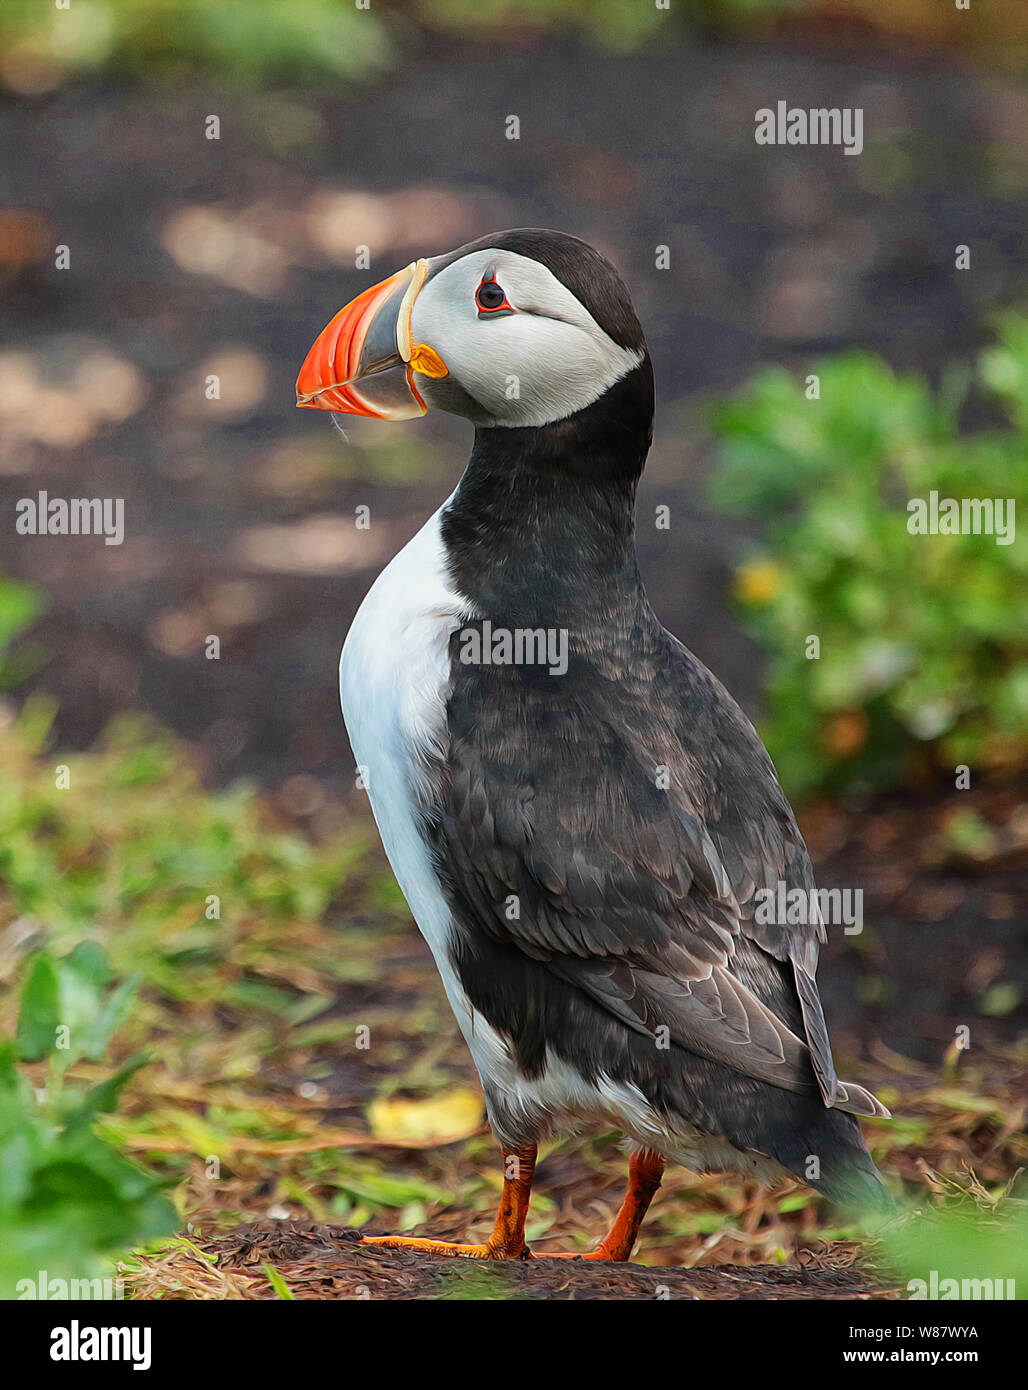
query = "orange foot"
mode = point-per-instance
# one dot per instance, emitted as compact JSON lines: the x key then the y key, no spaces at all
{"x":491,"y":1250}
{"x":507,"y":1241}
{"x":645,"y":1171}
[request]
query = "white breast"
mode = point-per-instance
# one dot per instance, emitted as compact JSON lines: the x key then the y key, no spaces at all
{"x":393,"y":677}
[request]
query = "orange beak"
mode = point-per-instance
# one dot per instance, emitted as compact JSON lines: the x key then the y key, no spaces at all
{"x":363,"y":362}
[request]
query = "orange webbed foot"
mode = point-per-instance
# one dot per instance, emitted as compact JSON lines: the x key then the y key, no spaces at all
{"x":445,"y":1249}
{"x":507,"y":1241}
{"x":645,"y":1171}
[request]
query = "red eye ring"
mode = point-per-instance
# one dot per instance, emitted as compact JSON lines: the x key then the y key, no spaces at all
{"x":491,"y":299}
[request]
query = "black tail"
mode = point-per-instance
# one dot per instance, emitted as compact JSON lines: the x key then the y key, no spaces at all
{"x":836,"y":1163}
{"x":855,"y":1186}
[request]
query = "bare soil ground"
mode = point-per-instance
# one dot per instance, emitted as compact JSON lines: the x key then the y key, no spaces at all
{"x":326,"y":1262}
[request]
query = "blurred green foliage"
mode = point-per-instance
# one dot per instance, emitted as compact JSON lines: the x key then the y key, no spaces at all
{"x":252,"y":40}
{"x":20,"y":606}
{"x":241,"y":39}
{"x":266,"y":41}
{"x":923,"y":638}
{"x":68,"y":1199}
{"x":985,"y":1245}
{"x":612,"y":23}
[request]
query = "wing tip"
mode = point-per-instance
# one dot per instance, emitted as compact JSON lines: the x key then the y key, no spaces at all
{"x":856,"y":1101}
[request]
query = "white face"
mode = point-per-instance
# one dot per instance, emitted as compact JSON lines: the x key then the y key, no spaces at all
{"x":539,"y":363}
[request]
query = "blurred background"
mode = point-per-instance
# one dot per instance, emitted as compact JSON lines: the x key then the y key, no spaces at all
{"x":212,"y":850}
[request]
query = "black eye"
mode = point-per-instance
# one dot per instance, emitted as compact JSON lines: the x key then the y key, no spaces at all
{"x":490,"y":297}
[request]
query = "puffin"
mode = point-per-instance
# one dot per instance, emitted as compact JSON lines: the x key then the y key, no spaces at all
{"x":586,"y":827}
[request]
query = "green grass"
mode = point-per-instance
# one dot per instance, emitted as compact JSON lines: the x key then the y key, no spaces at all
{"x":137,"y":856}
{"x":239,"y":40}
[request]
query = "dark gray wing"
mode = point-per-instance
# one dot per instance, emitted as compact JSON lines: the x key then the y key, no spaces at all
{"x":623,"y":843}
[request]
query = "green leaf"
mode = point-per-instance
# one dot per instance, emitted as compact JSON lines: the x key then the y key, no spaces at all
{"x":384,"y":1190}
{"x":88,"y":961}
{"x":276,"y":1281}
{"x":104,"y":1096}
{"x":110,"y":1016}
{"x":39,"y":1016}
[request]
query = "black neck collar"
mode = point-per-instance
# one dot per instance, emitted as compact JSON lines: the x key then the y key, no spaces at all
{"x":543,"y":521}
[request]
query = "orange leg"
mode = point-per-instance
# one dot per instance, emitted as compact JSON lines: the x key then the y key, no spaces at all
{"x":645,"y":1170}
{"x":507,"y":1241}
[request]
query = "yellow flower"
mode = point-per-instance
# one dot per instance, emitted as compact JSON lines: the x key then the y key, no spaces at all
{"x":758,"y":581}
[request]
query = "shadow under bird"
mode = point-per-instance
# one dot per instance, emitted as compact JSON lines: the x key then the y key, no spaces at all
{"x":582,"y":842}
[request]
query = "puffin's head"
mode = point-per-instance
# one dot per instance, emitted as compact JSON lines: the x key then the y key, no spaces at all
{"x":521,"y":328}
